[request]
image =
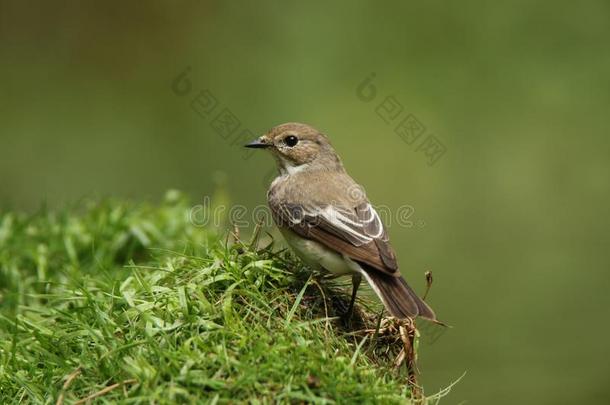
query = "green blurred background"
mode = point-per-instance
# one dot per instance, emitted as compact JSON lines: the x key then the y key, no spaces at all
{"x":512,"y":220}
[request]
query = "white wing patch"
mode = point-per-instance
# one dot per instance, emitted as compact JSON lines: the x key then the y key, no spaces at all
{"x":359,"y":226}
{"x":363,"y":228}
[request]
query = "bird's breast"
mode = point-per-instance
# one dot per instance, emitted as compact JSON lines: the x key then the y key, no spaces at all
{"x":318,"y":256}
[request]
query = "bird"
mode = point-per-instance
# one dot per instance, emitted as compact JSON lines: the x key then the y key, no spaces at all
{"x":328,"y":221}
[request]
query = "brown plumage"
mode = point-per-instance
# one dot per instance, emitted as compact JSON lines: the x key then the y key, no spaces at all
{"x":328,"y":220}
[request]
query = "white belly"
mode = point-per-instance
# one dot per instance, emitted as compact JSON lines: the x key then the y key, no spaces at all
{"x":317,"y":255}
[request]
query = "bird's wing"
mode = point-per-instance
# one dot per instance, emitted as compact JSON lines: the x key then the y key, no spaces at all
{"x":357,"y":233}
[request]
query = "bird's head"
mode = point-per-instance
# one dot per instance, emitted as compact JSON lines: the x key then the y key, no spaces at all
{"x":297,"y":147}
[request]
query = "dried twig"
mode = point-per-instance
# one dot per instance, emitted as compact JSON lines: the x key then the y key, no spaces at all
{"x":327,"y":323}
{"x":256,"y":235}
{"x":71,"y":377}
{"x":104,"y":391}
{"x":429,"y":281}
{"x":236,"y":233}
{"x":399,"y":359}
{"x":408,"y":332}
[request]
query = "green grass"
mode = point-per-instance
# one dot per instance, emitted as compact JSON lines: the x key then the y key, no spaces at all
{"x":134,"y":303}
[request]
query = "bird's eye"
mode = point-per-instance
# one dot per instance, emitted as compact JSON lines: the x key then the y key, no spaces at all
{"x":291,"y":140}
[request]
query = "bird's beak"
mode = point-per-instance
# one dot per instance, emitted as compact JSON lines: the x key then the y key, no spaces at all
{"x":259,"y":143}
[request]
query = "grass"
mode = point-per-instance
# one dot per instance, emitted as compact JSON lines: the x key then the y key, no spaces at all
{"x":116,"y":301}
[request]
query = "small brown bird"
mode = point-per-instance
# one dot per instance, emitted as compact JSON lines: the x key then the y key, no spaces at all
{"x":328,"y":221}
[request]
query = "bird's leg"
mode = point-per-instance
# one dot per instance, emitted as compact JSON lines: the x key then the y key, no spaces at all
{"x":356,"y":279}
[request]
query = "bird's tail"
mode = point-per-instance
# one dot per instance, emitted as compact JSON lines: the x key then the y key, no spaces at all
{"x":398,"y":298}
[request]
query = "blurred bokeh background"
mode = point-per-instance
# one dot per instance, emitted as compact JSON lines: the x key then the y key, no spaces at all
{"x":512,"y":219}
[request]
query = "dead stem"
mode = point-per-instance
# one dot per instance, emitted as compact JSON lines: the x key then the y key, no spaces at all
{"x":71,"y":377}
{"x":104,"y":391}
{"x":408,"y":332}
{"x":429,"y":281}
{"x":327,"y":323}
